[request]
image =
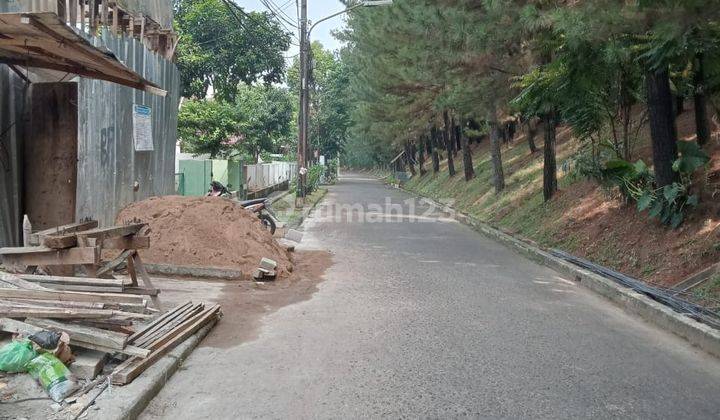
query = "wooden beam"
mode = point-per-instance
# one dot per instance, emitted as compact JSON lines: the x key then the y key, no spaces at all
{"x":160,"y":320}
{"x":60,"y":241}
{"x":19,"y":282}
{"x":90,"y":335}
{"x":71,"y":296}
{"x":127,"y":242}
{"x":133,"y":367}
{"x":57,"y":313}
{"x":72,"y":281}
{"x":64,"y":229}
{"x":140,"y":268}
{"x":110,"y":266}
{"x":111,"y":231}
{"x":46,"y":256}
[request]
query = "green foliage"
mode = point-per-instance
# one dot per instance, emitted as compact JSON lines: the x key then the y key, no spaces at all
{"x":216,"y":50}
{"x":313,"y":177}
{"x":668,"y":204}
{"x":207,"y":127}
{"x":259,"y":122}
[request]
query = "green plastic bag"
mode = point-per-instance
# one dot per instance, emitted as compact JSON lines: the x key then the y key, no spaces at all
{"x":15,"y":356}
{"x":53,"y":375}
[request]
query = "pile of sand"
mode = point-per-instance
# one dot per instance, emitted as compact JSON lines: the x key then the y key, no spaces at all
{"x":205,"y":232}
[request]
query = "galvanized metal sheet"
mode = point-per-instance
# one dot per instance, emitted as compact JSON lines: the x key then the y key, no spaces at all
{"x":108,"y":165}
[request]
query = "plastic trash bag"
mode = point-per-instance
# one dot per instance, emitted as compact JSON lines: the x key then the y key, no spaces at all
{"x":53,"y":375}
{"x":47,"y":340}
{"x":15,"y":356}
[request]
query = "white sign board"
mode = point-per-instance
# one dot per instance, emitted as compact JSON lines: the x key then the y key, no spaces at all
{"x":142,"y":128}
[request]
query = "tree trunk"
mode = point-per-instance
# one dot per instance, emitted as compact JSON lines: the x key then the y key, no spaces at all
{"x":531,"y":133}
{"x":467,"y":156}
{"x":458,"y":136}
{"x":662,"y":126}
{"x":433,"y":149}
{"x":495,"y":139}
{"x":421,"y":156}
{"x":410,"y":157}
{"x":549,"y":162}
{"x":702,"y":123}
{"x":448,"y":144}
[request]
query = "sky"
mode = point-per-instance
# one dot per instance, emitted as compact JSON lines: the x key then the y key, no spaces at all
{"x":317,"y":9}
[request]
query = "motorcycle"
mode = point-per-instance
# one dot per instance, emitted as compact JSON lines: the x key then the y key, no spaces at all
{"x":217,"y":189}
{"x":259,"y":206}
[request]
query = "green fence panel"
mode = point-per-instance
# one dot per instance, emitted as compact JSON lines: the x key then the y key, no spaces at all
{"x":197,"y":175}
{"x":235,"y":177}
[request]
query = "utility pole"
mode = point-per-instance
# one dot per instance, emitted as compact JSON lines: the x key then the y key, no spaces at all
{"x":303,"y":116}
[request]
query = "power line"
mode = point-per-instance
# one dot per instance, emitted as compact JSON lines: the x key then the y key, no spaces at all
{"x":233,"y":8}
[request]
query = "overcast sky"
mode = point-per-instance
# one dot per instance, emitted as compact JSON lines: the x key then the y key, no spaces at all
{"x":317,"y":9}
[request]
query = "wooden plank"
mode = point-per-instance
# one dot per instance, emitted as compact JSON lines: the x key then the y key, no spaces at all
{"x":46,"y":256}
{"x":111,"y":231}
{"x":82,"y":333}
{"x":17,"y":327}
{"x":169,"y":324}
{"x":111,"y":265}
{"x":7,"y":279}
{"x":133,"y":367}
{"x":127,"y":242}
{"x":146,"y":291}
{"x":58,"y":313}
{"x":71,"y":296}
{"x":75,"y":281}
{"x":58,"y":304}
{"x":60,"y":241}
{"x":64,"y":229}
{"x":137,"y":263}
{"x":91,"y":289}
{"x":159,"y":320}
{"x":128,"y":350}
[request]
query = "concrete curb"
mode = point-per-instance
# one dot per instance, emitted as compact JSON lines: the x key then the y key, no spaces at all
{"x":199,"y":272}
{"x":696,"y":333}
{"x":305,"y":213}
{"x":129,"y":401}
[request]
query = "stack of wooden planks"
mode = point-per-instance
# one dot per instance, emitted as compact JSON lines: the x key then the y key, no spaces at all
{"x":114,"y":323}
{"x":120,"y":317}
{"x":80,"y":246}
{"x":164,"y":334}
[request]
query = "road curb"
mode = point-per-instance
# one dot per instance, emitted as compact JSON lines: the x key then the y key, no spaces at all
{"x":305,"y":213}
{"x":695,"y":332}
{"x":128,"y":402}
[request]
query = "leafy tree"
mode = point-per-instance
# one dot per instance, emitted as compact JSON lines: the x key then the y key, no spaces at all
{"x":259,"y":121}
{"x":208,"y":127}
{"x":217,"y":50}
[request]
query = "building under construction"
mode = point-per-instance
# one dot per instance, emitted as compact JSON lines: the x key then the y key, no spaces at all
{"x":88,"y":109}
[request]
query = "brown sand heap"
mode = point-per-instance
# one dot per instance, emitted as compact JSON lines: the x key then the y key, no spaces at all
{"x":205,"y":232}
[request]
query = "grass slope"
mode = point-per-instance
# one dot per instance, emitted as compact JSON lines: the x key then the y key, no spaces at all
{"x":583,"y":218}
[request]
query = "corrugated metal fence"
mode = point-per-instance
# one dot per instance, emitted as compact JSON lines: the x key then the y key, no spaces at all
{"x":263,"y":175}
{"x":12,"y":99}
{"x":108,"y":164}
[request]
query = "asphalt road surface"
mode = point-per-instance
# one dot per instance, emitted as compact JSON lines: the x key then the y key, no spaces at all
{"x":422,"y":317}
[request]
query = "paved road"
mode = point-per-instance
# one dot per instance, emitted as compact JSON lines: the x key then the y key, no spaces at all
{"x":430,"y":319}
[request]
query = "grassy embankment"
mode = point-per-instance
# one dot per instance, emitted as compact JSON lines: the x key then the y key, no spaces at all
{"x":584,"y":218}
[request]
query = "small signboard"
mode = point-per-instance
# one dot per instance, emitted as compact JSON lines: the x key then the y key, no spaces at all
{"x":142,"y":128}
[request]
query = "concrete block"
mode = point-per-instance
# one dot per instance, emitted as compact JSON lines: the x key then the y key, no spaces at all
{"x":88,"y":363}
{"x":294,"y":235}
{"x":268,"y":264}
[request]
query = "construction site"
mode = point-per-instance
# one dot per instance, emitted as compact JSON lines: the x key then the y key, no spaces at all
{"x":105,"y":274}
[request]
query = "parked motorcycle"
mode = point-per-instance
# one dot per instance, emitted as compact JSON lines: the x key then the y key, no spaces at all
{"x":261,"y":206}
{"x":217,"y":189}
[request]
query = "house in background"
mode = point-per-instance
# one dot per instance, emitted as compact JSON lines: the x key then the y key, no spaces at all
{"x":88,"y":109}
